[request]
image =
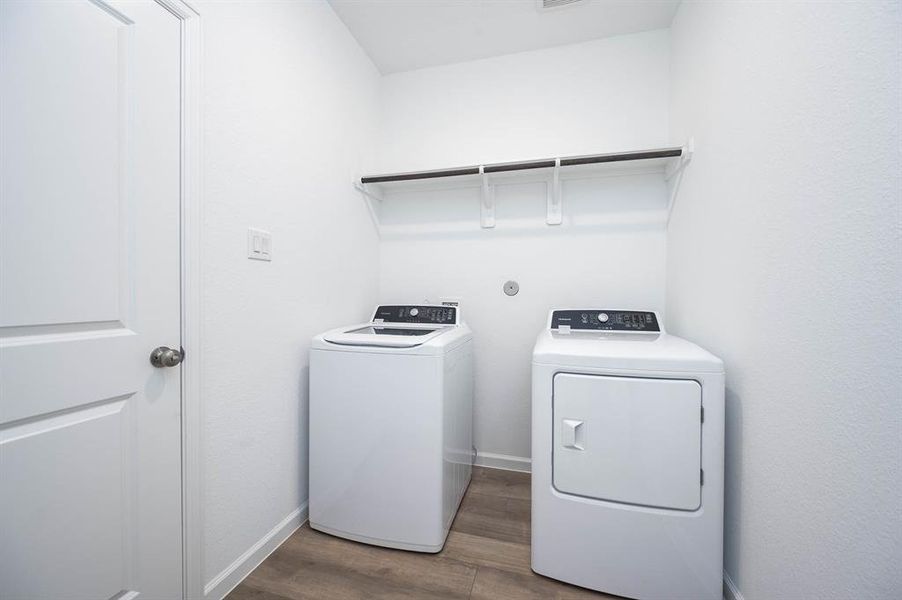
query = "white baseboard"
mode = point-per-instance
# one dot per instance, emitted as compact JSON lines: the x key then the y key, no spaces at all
{"x":730,"y":591}
{"x":503,"y":461}
{"x":231,"y":576}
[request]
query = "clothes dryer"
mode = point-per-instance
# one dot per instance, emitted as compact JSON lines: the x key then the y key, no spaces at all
{"x":627,"y":457}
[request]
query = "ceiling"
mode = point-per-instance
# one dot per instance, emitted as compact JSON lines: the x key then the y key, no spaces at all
{"x":400,"y":35}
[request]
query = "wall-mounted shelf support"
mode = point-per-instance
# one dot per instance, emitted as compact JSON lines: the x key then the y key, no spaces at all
{"x":554,"y":214}
{"x":487,"y":203}
{"x":673,"y":175}
{"x":369,"y":197}
{"x":677,"y":166}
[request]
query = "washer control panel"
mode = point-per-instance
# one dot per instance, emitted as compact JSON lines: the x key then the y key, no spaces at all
{"x":606,"y":320}
{"x":410,"y":313}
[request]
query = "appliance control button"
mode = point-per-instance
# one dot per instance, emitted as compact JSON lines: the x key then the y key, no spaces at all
{"x":603,"y":317}
{"x":414,"y":312}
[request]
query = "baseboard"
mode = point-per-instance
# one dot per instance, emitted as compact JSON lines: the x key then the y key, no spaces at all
{"x":730,"y":591}
{"x":503,"y":461}
{"x":231,"y":576}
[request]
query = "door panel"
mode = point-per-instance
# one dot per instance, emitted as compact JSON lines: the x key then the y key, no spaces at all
{"x":628,"y":439}
{"x":46,"y":121}
{"x":90,"y":432}
{"x":64,"y":501}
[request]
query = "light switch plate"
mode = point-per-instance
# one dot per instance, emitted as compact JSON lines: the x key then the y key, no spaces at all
{"x":259,"y":244}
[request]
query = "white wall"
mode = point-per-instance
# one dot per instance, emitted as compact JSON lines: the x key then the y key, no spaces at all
{"x":289,"y":101}
{"x":609,"y":94}
{"x":785,"y":258}
{"x":600,"y":96}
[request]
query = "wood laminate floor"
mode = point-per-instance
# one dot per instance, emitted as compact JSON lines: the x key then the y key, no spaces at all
{"x":486,"y":557}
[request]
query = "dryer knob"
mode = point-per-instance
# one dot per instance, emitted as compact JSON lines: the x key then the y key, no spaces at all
{"x":603,"y":317}
{"x":414,"y":312}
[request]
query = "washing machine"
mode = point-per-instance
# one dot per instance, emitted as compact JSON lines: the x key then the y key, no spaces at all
{"x":627,"y":457}
{"x":391,"y":426}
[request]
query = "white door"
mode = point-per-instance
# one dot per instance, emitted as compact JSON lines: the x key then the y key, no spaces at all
{"x":90,"y":434}
{"x":628,"y":439}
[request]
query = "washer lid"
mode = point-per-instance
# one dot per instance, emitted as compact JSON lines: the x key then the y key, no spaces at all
{"x":385,"y":336}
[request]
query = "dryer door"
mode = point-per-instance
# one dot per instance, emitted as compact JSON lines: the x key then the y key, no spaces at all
{"x":627,"y":439}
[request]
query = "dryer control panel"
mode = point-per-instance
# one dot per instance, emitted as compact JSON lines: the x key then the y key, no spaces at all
{"x":411,"y":313}
{"x":601,"y":319}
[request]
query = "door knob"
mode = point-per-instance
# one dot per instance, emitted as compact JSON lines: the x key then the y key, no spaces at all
{"x":166,"y":357}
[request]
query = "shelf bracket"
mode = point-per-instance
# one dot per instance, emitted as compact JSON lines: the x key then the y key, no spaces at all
{"x":674,"y":175}
{"x":677,"y":166}
{"x":369,"y":197}
{"x":554,"y":214}
{"x":487,"y":203}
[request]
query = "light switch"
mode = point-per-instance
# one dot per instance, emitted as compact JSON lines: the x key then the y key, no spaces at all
{"x":259,"y":244}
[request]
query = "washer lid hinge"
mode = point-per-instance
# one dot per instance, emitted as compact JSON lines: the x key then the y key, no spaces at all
{"x":701,"y":476}
{"x":703,"y":414}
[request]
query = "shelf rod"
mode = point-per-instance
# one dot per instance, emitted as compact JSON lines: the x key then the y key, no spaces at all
{"x":520,"y":166}
{"x":525,"y":165}
{"x":420,"y":175}
{"x":621,"y":156}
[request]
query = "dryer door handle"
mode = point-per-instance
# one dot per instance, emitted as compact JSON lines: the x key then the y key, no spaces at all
{"x":573,"y":434}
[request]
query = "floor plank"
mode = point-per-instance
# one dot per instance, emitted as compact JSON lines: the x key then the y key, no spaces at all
{"x":486,"y":556}
{"x":246,"y":592}
{"x":311,"y":564}
{"x":495,"y":517}
{"x":495,"y":482}
{"x":486,"y":552}
{"x":495,"y":584}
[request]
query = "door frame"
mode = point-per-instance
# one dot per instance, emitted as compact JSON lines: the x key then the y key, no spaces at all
{"x":191,"y":217}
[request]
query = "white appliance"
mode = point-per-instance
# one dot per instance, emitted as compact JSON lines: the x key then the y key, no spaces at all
{"x":627,"y":457}
{"x":391,"y":427}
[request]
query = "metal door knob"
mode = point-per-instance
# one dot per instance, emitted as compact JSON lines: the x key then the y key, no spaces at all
{"x":166,"y":357}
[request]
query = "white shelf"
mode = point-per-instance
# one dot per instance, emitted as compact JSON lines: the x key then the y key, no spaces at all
{"x":664,"y":161}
